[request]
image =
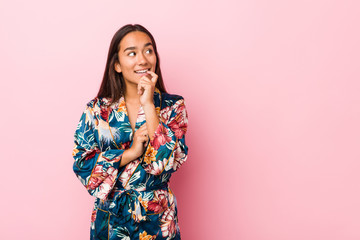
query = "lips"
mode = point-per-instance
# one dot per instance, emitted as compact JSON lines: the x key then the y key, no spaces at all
{"x":141,"y":71}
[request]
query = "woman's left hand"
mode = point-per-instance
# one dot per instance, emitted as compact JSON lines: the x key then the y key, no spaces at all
{"x":146,"y":88}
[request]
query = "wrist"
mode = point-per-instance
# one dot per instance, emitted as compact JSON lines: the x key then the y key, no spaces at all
{"x":132,"y":153}
{"x":128,"y":156}
{"x":149,"y":105}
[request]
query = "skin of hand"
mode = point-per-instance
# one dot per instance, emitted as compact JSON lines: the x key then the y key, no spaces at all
{"x":146,"y":88}
{"x":139,"y":141}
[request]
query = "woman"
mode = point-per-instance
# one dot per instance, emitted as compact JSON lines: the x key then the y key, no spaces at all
{"x":129,"y":140}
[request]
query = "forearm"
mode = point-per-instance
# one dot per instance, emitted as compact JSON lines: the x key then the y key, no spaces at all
{"x":128,"y":156}
{"x":152,"y":119}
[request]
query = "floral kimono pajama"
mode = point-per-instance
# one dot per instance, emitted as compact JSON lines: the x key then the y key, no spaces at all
{"x":133,"y":201}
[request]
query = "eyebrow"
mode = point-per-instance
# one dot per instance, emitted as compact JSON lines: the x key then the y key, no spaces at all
{"x":132,"y":48}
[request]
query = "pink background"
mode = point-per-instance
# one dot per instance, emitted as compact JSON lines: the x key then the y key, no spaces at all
{"x":272,"y":91}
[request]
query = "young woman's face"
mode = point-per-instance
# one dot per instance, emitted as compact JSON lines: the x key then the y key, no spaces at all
{"x":136,"y":53}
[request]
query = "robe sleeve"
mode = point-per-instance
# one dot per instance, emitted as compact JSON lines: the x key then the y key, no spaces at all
{"x":168,"y":151}
{"x":91,"y":164}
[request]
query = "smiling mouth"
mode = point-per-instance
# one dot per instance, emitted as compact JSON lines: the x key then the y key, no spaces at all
{"x":142,"y":71}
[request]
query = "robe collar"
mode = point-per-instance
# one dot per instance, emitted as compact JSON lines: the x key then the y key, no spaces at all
{"x":120,"y":104}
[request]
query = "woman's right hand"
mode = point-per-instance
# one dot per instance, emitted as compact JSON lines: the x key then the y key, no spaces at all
{"x":140,"y":139}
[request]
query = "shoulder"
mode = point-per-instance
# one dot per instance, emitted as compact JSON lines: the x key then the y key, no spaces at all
{"x":96,"y":104}
{"x":169,"y":96}
{"x":171,"y":99}
{"x":174,"y":106}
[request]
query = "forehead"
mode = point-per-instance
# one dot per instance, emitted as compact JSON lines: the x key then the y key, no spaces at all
{"x":134,"y":39}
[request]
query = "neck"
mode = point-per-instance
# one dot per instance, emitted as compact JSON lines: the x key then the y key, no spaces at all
{"x":131,"y":95}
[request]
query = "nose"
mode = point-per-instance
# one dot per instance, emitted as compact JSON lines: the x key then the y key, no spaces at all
{"x":141,"y":59}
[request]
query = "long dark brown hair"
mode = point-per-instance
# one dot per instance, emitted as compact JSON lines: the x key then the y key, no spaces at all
{"x":113,"y":85}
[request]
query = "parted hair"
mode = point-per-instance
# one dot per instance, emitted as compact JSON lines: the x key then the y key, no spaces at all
{"x":113,"y":85}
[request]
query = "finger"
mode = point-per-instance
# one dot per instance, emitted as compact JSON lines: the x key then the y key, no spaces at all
{"x":142,"y":85}
{"x":154,"y":76}
{"x":146,"y":78}
{"x":143,"y":132}
{"x":139,"y":87}
{"x":152,"y":73}
{"x":143,"y":126}
{"x":145,"y":84}
{"x":143,"y":139}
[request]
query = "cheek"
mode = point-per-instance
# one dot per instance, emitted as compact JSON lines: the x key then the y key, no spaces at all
{"x":153,"y":60}
{"x":126,"y":64}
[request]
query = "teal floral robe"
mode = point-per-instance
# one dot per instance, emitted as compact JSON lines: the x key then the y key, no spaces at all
{"x":133,"y":201}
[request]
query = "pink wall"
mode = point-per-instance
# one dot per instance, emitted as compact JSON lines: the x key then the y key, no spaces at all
{"x":272,"y":91}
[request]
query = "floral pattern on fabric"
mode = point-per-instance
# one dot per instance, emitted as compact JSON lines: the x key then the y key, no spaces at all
{"x":133,"y":201}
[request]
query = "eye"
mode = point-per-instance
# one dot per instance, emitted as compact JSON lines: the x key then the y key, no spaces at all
{"x":131,"y":53}
{"x":149,"y":50}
